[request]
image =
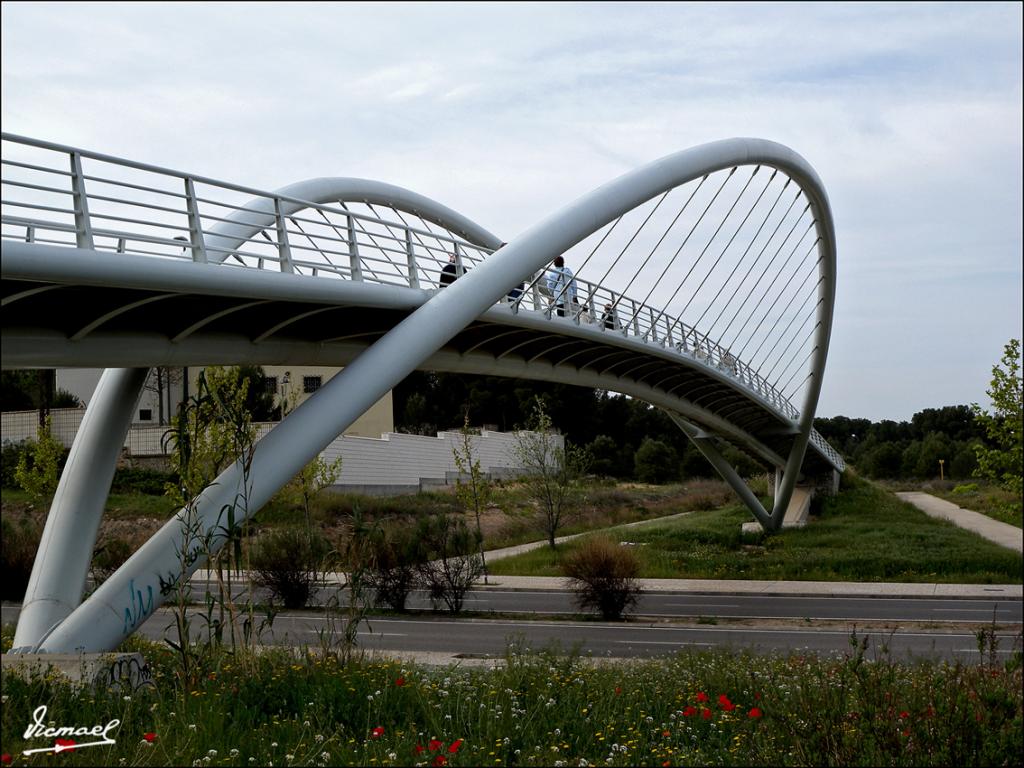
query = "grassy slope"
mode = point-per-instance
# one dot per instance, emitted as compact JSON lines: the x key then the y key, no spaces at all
{"x":864,"y":534}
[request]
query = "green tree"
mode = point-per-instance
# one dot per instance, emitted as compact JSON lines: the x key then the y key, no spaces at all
{"x":473,"y":487}
{"x":309,"y":484}
{"x":38,"y":470}
{"x":552,"y":474}
{"x":656,"y":462}
{"x":1003,"y":459}
{"x":934,"y":446}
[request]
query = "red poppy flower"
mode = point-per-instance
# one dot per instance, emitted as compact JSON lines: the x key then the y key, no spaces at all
{"x":706,"y":713}
{"x":64,"y":745}
{"x":400,"y":682}
{"x":435,"y":745}
{"x":150,"y":737}
{"x":702,"y":696}
{"x":618,"y":690}
{"x":418,"y":748}
{"x":440,"y":760}
{"x":757,"y":697}
{"x":6,"y":759}
{"x":754,"y":712}
{"x":666,"y":764}
{"x":454,"y":747}
{"x":666,"y":734}
{"x":689,"y":711}
{"x":904,"y":715}
{"x":377,"y":732}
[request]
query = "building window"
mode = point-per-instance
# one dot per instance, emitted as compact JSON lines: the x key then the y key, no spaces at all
{"x":311,"y":383}
{"x":145,"y":414}
{"x":270,"y":384}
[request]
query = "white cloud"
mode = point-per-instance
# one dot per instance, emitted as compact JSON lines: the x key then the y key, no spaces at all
{"x":911,"y":114}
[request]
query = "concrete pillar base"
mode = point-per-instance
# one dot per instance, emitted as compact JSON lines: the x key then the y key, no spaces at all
{"x":124,"y":672}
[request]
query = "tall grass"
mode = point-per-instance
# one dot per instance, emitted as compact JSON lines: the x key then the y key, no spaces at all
{"x":544,"y":708}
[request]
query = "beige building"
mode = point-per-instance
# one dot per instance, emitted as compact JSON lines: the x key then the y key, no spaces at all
{"x":291,"y":385}
{"x":294,"y":384}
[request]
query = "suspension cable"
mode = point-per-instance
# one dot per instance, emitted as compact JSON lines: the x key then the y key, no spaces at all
{"x":745,"y":252}
{"x":693,"y":229}
{"x":782,"y":314}
{"x":701,"y":256}
{"x":640,"y":269}
{"x":801,"y":363}
{"x":802,"y":381}
{"x":771,"y":261}
{"x":689,"y":272}
{"x":754,"y":311}
{"x":625,"y":248}
{"x":789,"y":346}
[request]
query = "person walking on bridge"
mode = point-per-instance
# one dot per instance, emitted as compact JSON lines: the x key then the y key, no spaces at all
{"x":562,"y":285}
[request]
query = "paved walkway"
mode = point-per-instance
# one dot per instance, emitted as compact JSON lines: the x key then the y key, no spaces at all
{"x":1003,"y":534}
{"x":767,"y":587}
{"x":777,"y":587}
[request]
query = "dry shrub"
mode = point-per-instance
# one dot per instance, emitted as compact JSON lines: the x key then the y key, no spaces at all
{"x":603,"y":576}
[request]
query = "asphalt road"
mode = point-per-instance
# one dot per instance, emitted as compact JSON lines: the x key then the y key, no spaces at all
{"x":937,"y":627}
{"x":670,"y":605}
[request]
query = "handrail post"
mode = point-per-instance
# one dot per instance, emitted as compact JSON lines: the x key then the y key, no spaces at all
{"x":668,"y":331}
{"x":195,"y":224}
{"x":636,"y":318}
{"x":410,"y":252}
{"x":284,"y":250}
{"x":654,"y":328}
{"x":30,"y":233}
{"x":353,"y":250}
{"x":83,"y":225}
{"x":459,"y":269}
{"x":536,"y":294}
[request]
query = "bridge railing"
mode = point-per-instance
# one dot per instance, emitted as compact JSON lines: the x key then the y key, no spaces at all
{"x":61,"y":195}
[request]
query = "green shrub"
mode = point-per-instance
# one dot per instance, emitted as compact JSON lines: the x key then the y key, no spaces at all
{"x":288,"y":563}
{"x":9,"y":460}
{"x":108,"y":558}
{"x":394,"y":565}
{"x":39,"y":466}
{"x":965,"y":488}
{"x":603,"y":576}
{"x":151,"y":482}
{"x":17,"y":553}
{"x":449,"y":557}
{"x":656,"y":462}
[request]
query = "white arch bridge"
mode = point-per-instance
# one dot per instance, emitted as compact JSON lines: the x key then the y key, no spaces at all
{"x":704,"y":285}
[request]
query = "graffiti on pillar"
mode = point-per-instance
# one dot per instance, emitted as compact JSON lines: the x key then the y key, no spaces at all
{"x":126,"y":673}
{"x":138,"y":608}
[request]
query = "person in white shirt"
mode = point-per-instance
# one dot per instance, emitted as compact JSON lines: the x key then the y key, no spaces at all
{"x":562,"y":285}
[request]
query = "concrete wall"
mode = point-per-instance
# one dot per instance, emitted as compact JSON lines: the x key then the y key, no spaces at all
{"x":404,"y":460}
{"x":393,"y":460}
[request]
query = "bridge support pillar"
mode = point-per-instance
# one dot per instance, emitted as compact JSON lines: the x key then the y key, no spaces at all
{"x":65,"y":551}
{"x":704,"y":444}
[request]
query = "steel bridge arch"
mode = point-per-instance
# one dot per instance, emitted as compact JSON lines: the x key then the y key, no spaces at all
{"x":97,"y":623}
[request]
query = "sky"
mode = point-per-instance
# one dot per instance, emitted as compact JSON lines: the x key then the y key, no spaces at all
{"x":911,"y":114}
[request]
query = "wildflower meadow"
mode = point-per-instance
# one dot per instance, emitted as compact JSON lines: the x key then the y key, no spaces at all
{"x":536,"y":708}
